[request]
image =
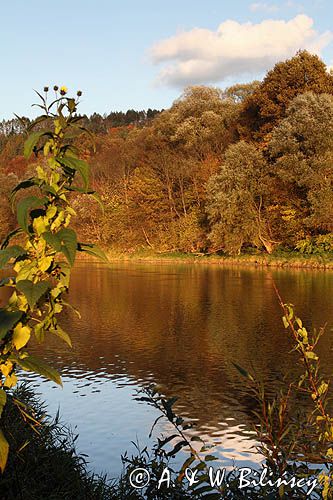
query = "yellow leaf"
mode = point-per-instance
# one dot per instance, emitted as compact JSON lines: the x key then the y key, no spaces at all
{"x":51,"y":211}
{"x":4,"y":449}
{"x":70,"y":211}
{"x":21,"y":335}
{"x":6,"y":368}
{"x":40,"y":225}
{"x":10,"y":381}
{"x":55,"y":292}
{"x":39,"y":332}
{"x":41,"y":174}
{"x":57,"y":308}
{"x":55,"y":177}
{"x":13,"y":299}
{"x":58,"y":221}
{"x":44,"y":263}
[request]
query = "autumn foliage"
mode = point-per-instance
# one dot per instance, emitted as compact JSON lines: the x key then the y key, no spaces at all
{"x":245,"y":167}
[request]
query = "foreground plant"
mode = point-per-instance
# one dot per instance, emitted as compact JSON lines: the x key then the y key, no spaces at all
{"x":294,"y":431}
{"x":295,"y":428}
{"x":46,"y":246}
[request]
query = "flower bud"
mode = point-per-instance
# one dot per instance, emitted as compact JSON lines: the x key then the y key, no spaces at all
{"x":55,"y":88}
{"x":79,"y":93}
{"x":46,"y":89}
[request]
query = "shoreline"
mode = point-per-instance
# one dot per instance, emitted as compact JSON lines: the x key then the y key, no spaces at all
{"x":259,"y":261}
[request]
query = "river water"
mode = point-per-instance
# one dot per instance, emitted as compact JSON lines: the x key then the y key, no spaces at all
{"x":179,"y":326}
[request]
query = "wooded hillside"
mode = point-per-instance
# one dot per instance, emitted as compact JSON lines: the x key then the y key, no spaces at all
{"x":246,"y":167}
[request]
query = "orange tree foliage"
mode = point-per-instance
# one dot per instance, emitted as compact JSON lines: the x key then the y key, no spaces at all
{"x":267,"y":105}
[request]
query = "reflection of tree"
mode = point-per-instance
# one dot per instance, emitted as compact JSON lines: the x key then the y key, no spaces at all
{"x":181,"y":326}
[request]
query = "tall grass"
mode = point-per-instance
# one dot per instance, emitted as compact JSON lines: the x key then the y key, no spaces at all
{"x":43,"y":463}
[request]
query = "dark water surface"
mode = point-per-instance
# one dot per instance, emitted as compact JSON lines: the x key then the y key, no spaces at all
{"x":181,"y":327}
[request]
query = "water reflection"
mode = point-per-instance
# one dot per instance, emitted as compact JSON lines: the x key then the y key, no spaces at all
{"x":178,"y":326}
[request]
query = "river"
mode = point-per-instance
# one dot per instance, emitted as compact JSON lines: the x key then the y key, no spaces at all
{"x":181,"y":327}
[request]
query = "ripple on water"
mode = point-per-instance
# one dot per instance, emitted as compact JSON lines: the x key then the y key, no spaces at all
{"x":181,"y":328}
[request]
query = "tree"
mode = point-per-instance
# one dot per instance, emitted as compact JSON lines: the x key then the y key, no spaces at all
{"x":236,"y":200}
{"x":7,"y":219}
{"x":267,"y":105}
{"x":302,"y":150}
{"x":240,"y":91}
{"x":200,"y":122}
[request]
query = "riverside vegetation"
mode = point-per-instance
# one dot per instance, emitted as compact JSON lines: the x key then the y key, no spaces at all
{"x":245,"y":169}
{"x":41,"y":258}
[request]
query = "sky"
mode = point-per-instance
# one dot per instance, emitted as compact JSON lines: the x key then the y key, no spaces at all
{"x":140,"y":54}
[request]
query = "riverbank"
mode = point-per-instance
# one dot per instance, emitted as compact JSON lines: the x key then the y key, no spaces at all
{"x":43,"y":462}
{"x":280,"y":260}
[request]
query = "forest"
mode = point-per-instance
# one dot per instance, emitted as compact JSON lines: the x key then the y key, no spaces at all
{"x":248,"y":168}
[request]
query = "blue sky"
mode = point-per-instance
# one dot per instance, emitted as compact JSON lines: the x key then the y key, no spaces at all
{"x":132,"y":54}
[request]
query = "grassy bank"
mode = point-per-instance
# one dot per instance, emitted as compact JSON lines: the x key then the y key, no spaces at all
{"x":279,"y":260}
{"x":43,"y":462}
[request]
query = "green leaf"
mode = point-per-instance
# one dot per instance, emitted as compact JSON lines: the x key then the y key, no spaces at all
{"x":65,"y":272}
{"x":93,"y":250}
{"x":4,"y":449}
{"x":59,"y":332}
{"x":67,"y":304}
{"x":78,"y":165}
{"x":33,"y":364}
{"x":97,"y":198}
{"x":24,"y":207}
{"x":71,"y":104}
{"x":196,"y":438}
{"x":10,"y":235}
{"x":31,"y":143}
{"x":53,"y":240}
{"x":32,"y":291}
{"x":243,"y":372}
{"x":78,"y":189}
{"x":39,"y":119}
{"x":188,"y":462}
{"x":33,"y":181}
{"x":179,"y":446}
{"x":64,"y":241}
{"x":6,"y":281}
{"x":8,"y":320}
{"x":9,"y":253}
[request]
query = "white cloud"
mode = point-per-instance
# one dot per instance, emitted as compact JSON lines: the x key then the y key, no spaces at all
{"x":269,"y":8}
{"x":235,"y":49}
{"x":263,"y":7}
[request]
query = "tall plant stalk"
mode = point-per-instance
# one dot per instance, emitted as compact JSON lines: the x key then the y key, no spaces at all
{"x":45,"y":249}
